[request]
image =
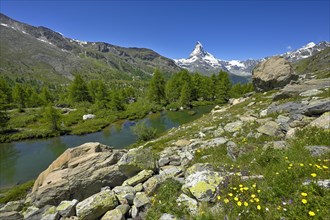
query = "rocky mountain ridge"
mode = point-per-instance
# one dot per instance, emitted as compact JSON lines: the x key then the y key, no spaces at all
{"x":42,"y":53}
{"x":204,"y":62}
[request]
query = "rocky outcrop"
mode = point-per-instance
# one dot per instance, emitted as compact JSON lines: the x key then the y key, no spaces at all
{"x":96,"y":205}
{"x":77,"y":174}
{"x":272,"y":73}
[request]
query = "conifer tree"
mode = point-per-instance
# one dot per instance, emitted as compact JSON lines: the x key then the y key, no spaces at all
{"x":156,"y":91}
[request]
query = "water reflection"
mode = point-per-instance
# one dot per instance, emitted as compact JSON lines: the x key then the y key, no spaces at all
{"x":24,"y":160}
{"x":8,"y":158}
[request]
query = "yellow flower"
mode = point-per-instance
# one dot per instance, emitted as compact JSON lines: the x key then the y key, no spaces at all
{"x":258,"y":207}
{"x":246,"y":188}
{"x":230,"y":194}
{"x":304,"y":194}
{"x":258,"y":190}
{"x":246,"y":204}
{"x":256,"y":199}
{"x":289,"y":168}
{"x":311,"y":213}
{"x":251,"y":200}
{"x":276,"y":173}
{"x":253,"y":196}
{"x":290,"y":165}
{"x":240,"y":185}
{"x":286,"y":158}
{"x":219,"y":197}
{"x":279,"y":207}
{"x":310,"y":164}
{"x":313,"y":175}
{"x":239,"y":203}
{"x":325,"y":160}
{"x":254,"y":185}
{"x":226,"y":200}
{"x":325,"y":167}
{"x":304,"y":201}
{"x":241,"y":189}
{"x":301,"y":164}
{"x":236,"y":199}
{"x":198,"y":151}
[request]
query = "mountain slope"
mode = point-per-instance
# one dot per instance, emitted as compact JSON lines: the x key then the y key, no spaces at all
{"x":40,"y":53}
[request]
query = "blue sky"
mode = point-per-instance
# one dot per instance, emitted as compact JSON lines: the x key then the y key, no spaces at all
{"x":227,"y":29}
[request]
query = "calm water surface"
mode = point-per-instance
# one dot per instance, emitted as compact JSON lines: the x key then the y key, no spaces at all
{"x":24,"y":160}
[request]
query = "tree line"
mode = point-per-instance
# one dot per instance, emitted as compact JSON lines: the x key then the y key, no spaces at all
{"x":183,"y":89}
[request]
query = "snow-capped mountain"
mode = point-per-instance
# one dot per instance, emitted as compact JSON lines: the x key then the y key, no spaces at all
{"x":306,"y":51}
{"x":204,"y":62}
{"x":201,"y":61}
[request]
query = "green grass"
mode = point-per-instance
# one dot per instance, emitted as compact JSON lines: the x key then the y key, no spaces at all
{"x":164,"y":201}
{"x":16,"y":192}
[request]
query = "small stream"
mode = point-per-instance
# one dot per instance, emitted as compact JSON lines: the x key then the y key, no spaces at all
{"x":24,"y":160}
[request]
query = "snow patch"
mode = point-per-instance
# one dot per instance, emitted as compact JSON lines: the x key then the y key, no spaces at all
{"x":81,"y":43}
{"x":45,"y":41}
{"x":6,"y":25}
{"x":236,"y":63}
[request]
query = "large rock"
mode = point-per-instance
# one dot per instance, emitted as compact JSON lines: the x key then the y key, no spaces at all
{"x":96,"y":205}
{"x":272,"y":73}
{"x":233,"y":126}
{"x":67,"y":208}
{"x":141,"y":199}
{"x":114,"y":214}
{"x":125,"y":193}
{"x":77,"y":174}
{"x":13,"y":206}
{"x":202,"y":185}
{"x":322,"y":122}
{"x":136,"y":160}
{"x":190,"y":203}
{"x":270,"y":128}
{"x":138,"y":178}
{"x":13,"y":215}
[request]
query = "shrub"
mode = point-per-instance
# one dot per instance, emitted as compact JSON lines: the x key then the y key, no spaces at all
{"x":143,"y":132}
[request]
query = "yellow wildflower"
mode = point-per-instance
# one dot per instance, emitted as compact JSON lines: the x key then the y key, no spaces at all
{"x":251,"y":200}
{"x":254,"y":185}
{"x":286,"y":158}
{"x":304,"y":194}
{"x":219,"y":197}
{"x":290,"y":165}
{"x":226,"y":200}
{"x":239,"y":203}
{"x":325,"y":167}
{"x":277,"y":173}
{"x":325,"y":160}
{"x":313,"y":175}
{"x":311,"y":213}
{"x":258,"y":207}
{"x":301,"y":164}
{"x":236,"y":199}
{"x":246,"y":188}
{"x":258,"y":190}
{"x":198,"y":151}
{"x":246,"y":204}
{"x":310,"y":164}
{"x":256,"y":199}
{"x":253,"y":196}
{"x":230,"y":194}
{"x":304,"y":201}
{"x":240,"y":185}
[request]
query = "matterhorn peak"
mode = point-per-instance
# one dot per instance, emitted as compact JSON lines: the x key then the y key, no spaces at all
{"x":198,"y":51}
